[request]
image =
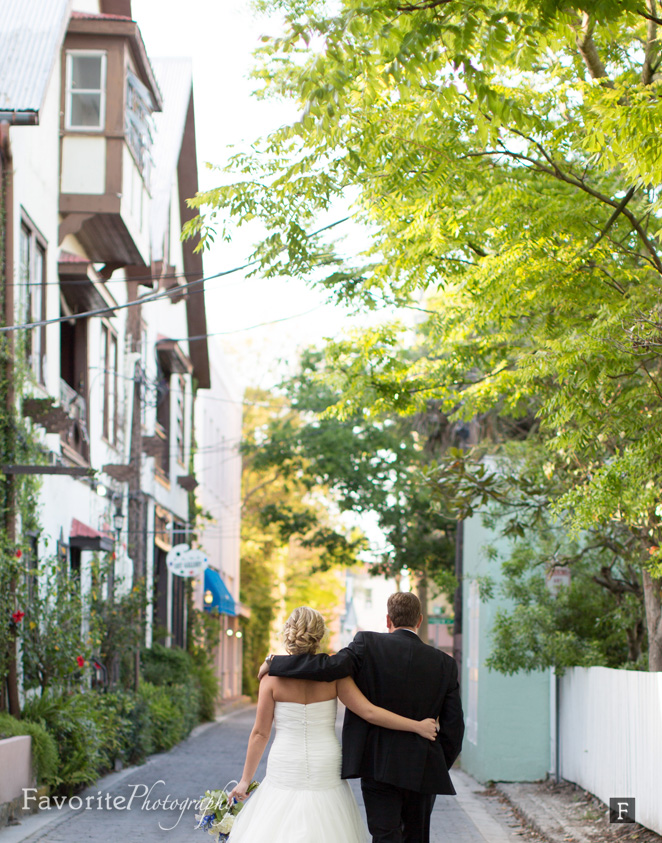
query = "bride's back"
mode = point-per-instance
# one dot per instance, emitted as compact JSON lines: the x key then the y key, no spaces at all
{"x":302,"y":691}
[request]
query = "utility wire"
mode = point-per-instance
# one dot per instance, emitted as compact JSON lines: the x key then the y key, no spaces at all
{"x":102,"y":311}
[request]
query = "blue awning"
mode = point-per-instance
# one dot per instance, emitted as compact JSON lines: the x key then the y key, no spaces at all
{"x":222,"y":601}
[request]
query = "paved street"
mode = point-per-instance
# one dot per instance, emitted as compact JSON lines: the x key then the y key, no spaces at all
{"x":212,"y":756}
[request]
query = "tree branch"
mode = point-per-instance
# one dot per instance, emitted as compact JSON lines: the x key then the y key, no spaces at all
{"x":612,"y":219}
{"x":588,"y":50}
{"x":555,"y":171}
{"x":648,"y":16}
{"x":426,"y":4}
{"x":650,"y":54}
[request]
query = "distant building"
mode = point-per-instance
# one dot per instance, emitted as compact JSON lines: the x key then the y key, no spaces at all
{"x":509,"y":719}
{"x":218,"y":416}
{"x":365,"y":602}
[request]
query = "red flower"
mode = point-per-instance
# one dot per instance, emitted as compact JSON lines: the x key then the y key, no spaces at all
{"x":19,"y":553}
{"x":80,"y":661}
{"x":18,"y":616}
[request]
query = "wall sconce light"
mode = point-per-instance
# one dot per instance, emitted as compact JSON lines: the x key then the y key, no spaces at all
{"x":229,"y":632}
{"x":209,"y":597}
{"x":240,"y":634}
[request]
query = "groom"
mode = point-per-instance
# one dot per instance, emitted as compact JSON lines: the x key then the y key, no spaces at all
{"x":400,"y":772}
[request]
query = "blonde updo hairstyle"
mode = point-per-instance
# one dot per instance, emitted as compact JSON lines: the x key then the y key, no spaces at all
{"x":303,"y":631}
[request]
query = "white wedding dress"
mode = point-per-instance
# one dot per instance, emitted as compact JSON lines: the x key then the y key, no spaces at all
{"x":302,"y":798}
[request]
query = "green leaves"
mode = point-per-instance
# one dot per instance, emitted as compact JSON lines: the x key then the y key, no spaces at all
{"x":503,"y":159}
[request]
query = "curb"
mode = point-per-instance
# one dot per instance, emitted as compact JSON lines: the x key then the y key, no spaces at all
{"x":541,"y":814}
{"x":521,"y":810}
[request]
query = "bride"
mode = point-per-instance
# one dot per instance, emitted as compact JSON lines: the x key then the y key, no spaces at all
{"x":302,"y":797}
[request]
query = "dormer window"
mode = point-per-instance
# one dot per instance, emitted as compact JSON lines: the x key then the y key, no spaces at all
{"x":85,"y":106}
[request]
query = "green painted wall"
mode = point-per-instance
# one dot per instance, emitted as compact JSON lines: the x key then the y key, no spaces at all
{"x":508,"y":717}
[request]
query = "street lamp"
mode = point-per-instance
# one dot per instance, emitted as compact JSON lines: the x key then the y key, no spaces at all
{"x":118,"y":522}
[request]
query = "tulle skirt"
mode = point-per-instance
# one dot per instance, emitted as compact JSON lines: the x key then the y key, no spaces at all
{"x":302,"y":799}
{"x":277,"y":815}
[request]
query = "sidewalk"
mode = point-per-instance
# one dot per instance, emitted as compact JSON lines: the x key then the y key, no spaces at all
{"x":36,"y":824}
{"x":564,"y":813}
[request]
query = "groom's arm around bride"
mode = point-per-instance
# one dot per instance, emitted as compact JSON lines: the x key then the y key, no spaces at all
{"x":397,"y":671}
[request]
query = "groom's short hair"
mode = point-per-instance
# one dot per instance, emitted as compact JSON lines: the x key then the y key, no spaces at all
{"x":404,"y":608}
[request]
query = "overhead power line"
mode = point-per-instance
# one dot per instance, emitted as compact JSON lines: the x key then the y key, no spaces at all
{"x":102,"y":311}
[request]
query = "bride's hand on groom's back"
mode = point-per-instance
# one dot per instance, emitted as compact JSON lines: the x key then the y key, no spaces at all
{"x":428,"y":729}
{"x":263,"y":671}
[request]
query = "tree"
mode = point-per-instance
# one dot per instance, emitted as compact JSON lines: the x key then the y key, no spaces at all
{"x":291,"y":547}
{"x":504,"y":158}
{"x":600,"y":617}
{"x":370,"y":465}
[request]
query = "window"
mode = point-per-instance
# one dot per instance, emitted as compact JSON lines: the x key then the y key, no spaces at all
{"x":162,"y":430}
{"x":109,"y":365}
{"x":86,"y":90}
{"x":73,"y":385}
{"x":143,"y":361}
{"x":32,"y":297}
{"x":139,"y":124}
{"x":181,"y":420}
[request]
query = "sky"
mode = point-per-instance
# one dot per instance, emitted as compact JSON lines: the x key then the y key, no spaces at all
{"x":220,"y":36}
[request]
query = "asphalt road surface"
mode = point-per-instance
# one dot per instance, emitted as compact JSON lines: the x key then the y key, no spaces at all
{"x":154,"y":802}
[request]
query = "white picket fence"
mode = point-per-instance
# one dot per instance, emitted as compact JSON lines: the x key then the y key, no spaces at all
{"x":610,"y":727}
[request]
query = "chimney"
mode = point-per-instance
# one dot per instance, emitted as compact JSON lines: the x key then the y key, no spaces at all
{"x":117,"y":7}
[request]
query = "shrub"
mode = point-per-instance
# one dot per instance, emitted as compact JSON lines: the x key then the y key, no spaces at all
{"x":166,"y":665}
{"x":208,"y":685}
{"x":45,"y":758}
{"x":166,"y":714}
{"x":74,"y":724}
{"x":92,"y":731}
{"x":174,"y":667}
{"x":135,"y":729}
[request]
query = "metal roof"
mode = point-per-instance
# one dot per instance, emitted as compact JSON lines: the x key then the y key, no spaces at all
{"x":31,"y":34}
{"x":175,"y":79}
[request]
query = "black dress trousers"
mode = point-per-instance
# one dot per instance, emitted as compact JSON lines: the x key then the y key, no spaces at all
{"x":395,"y":814}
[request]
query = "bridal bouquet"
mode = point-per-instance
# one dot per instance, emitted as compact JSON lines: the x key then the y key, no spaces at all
{"x":218,"y":813}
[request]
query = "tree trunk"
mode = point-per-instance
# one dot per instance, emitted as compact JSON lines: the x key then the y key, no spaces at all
{"x":653,"y":603}
{"x":422,"y":589}
{"x":12,"y":679}
{"x":635,"y":635}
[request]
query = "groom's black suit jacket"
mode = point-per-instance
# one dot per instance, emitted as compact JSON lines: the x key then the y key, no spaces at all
{"x":395,"y":670}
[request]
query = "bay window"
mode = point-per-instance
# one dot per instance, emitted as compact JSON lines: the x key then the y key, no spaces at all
{"x":85,"y":103}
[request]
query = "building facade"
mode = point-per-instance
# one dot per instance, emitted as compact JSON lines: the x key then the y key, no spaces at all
{"x":218,"y":419}
{"x":98,"y":160}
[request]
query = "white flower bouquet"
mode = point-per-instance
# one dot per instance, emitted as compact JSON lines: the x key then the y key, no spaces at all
{"x":218,"y":812}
